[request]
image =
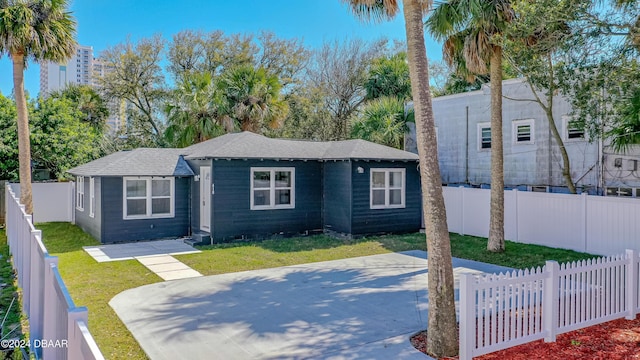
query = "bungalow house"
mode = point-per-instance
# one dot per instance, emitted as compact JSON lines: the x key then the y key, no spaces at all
{"x":246,"y":186}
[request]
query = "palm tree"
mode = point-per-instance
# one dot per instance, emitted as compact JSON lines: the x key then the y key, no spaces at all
{"x":194,"y":114}
{"x":468,"y":29}
{"x":41,"y":30}
{"x":389,"y":76}
{"x":383,"y":121}
{"x":88,"y":101}
{"x":253,"y":98}
{"x":443,"y":336}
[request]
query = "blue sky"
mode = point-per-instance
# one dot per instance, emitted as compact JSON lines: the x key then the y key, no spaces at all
{"x":104,"y":23}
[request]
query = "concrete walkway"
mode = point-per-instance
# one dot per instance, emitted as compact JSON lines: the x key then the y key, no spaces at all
{"x":168,"y":267}
{"x":155,"y":255}
{"x":359,"y":308}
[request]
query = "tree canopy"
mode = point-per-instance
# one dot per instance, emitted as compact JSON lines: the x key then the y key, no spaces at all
{"x":37,"y":30}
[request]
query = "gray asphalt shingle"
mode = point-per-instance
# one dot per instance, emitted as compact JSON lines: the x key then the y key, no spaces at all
{"x":244,"y":145}
{"x":247,"y":145}
{"x":138,"y":162}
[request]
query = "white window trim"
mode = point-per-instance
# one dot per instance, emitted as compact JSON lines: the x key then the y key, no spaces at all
{"x":514,"y":131}
{"x":148,"y":197}
{"x":80,"y":193}
{"x":387,"y":188}
{"x":565,"y":130}
{"x":92,"y":197}
{"x":480,"y":127}
{"x":272,"y":188}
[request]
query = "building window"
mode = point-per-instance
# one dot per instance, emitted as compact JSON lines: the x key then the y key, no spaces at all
{"x":572,"y":129}
{"x":484,"y":136}
{"x":620,"y":191}
{"x":80,"y":193}
{"x":387,"y":188}
{"x":148,"y":197}
{"x":92,"y":197}
{"x":272,"y":188}
{"x":523,"y":131}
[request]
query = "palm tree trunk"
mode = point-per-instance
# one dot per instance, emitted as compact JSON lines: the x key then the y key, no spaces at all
{"x":496,"y":221}
{"x":24,"y":144}
{"x":443,"y":335}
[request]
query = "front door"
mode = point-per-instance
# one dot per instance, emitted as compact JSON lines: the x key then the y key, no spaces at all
{"x":205,"y":198}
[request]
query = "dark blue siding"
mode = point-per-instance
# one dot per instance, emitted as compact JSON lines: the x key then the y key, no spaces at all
{"x":337,"y":196}
{"x":232,"y":217}
{"x":91,"y":225}
{"x":371,"y":221}
{"x":116,"y":229}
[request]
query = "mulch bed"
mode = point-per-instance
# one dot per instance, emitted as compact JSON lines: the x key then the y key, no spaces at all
{"x":613,"y":340}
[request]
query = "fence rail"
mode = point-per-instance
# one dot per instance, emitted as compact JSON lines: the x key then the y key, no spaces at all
{"x":498,"y":311}
{"x":58,"y":328}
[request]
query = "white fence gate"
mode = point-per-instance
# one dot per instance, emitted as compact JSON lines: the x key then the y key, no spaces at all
{"x":594,"y":224}
{"x":57,"y":328}
{"x":499,"y":311}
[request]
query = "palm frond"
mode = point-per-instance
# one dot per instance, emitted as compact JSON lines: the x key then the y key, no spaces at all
{"x":373,"y":10}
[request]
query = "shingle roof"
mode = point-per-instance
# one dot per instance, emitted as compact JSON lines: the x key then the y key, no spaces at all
{"x":247,"y":145}
{"x":244,"y":145}
{"x":138,"y":162}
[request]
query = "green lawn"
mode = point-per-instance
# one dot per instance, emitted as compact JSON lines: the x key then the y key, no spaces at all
{"x":12,"y":316}
{"x":93,"y":284}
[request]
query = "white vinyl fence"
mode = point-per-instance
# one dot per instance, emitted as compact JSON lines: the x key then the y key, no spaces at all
{"x":594,"y":224}
{"x":52,"y":201}
{"x":57,"y":328}
{"x":498,"y":311}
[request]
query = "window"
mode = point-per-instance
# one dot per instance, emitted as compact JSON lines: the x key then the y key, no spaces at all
{"x":387,"y":188}
{"x":620,"y":191}
{"x":92,"y":197}
{"x":272,"y":188}
{"x":80,"y":193}
{"x":484,"y":136}
{"x":523,"y":131}
{"x":148,"y":197}
{"x":572,"y":129}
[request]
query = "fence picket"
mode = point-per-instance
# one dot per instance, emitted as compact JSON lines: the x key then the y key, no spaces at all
{"x":39,"y":279}
{"x":525,"y":305}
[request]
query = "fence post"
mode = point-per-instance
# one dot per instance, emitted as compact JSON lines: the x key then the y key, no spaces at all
{"x":550,"y":301}
{"x":462,"y":232}
{"x":73,"y":202}
{"x":515,"y":209}
{"x":583,"y":233}
{"x":74,"y":340}
{"x":50,"y":311}
{"x":631,"y":288}
{"x":36,"y":301}
{"x":467,"y":322}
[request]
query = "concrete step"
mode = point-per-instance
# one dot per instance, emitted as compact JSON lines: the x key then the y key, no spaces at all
{"x":199,"y":238}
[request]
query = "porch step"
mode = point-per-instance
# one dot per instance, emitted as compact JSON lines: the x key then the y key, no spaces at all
{"x":199,"y":238}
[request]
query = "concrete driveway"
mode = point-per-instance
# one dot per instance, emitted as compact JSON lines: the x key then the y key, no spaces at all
{"x":359,"y":308}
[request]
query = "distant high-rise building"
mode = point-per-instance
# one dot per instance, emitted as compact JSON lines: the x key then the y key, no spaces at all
{"x":81,"y":69}
{"x":78,"y":70}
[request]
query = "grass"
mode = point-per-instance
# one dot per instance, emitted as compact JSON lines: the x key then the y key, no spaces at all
{"x":281,"y":252}
{"x":94,"y":284}
{"x":12,"y":316}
